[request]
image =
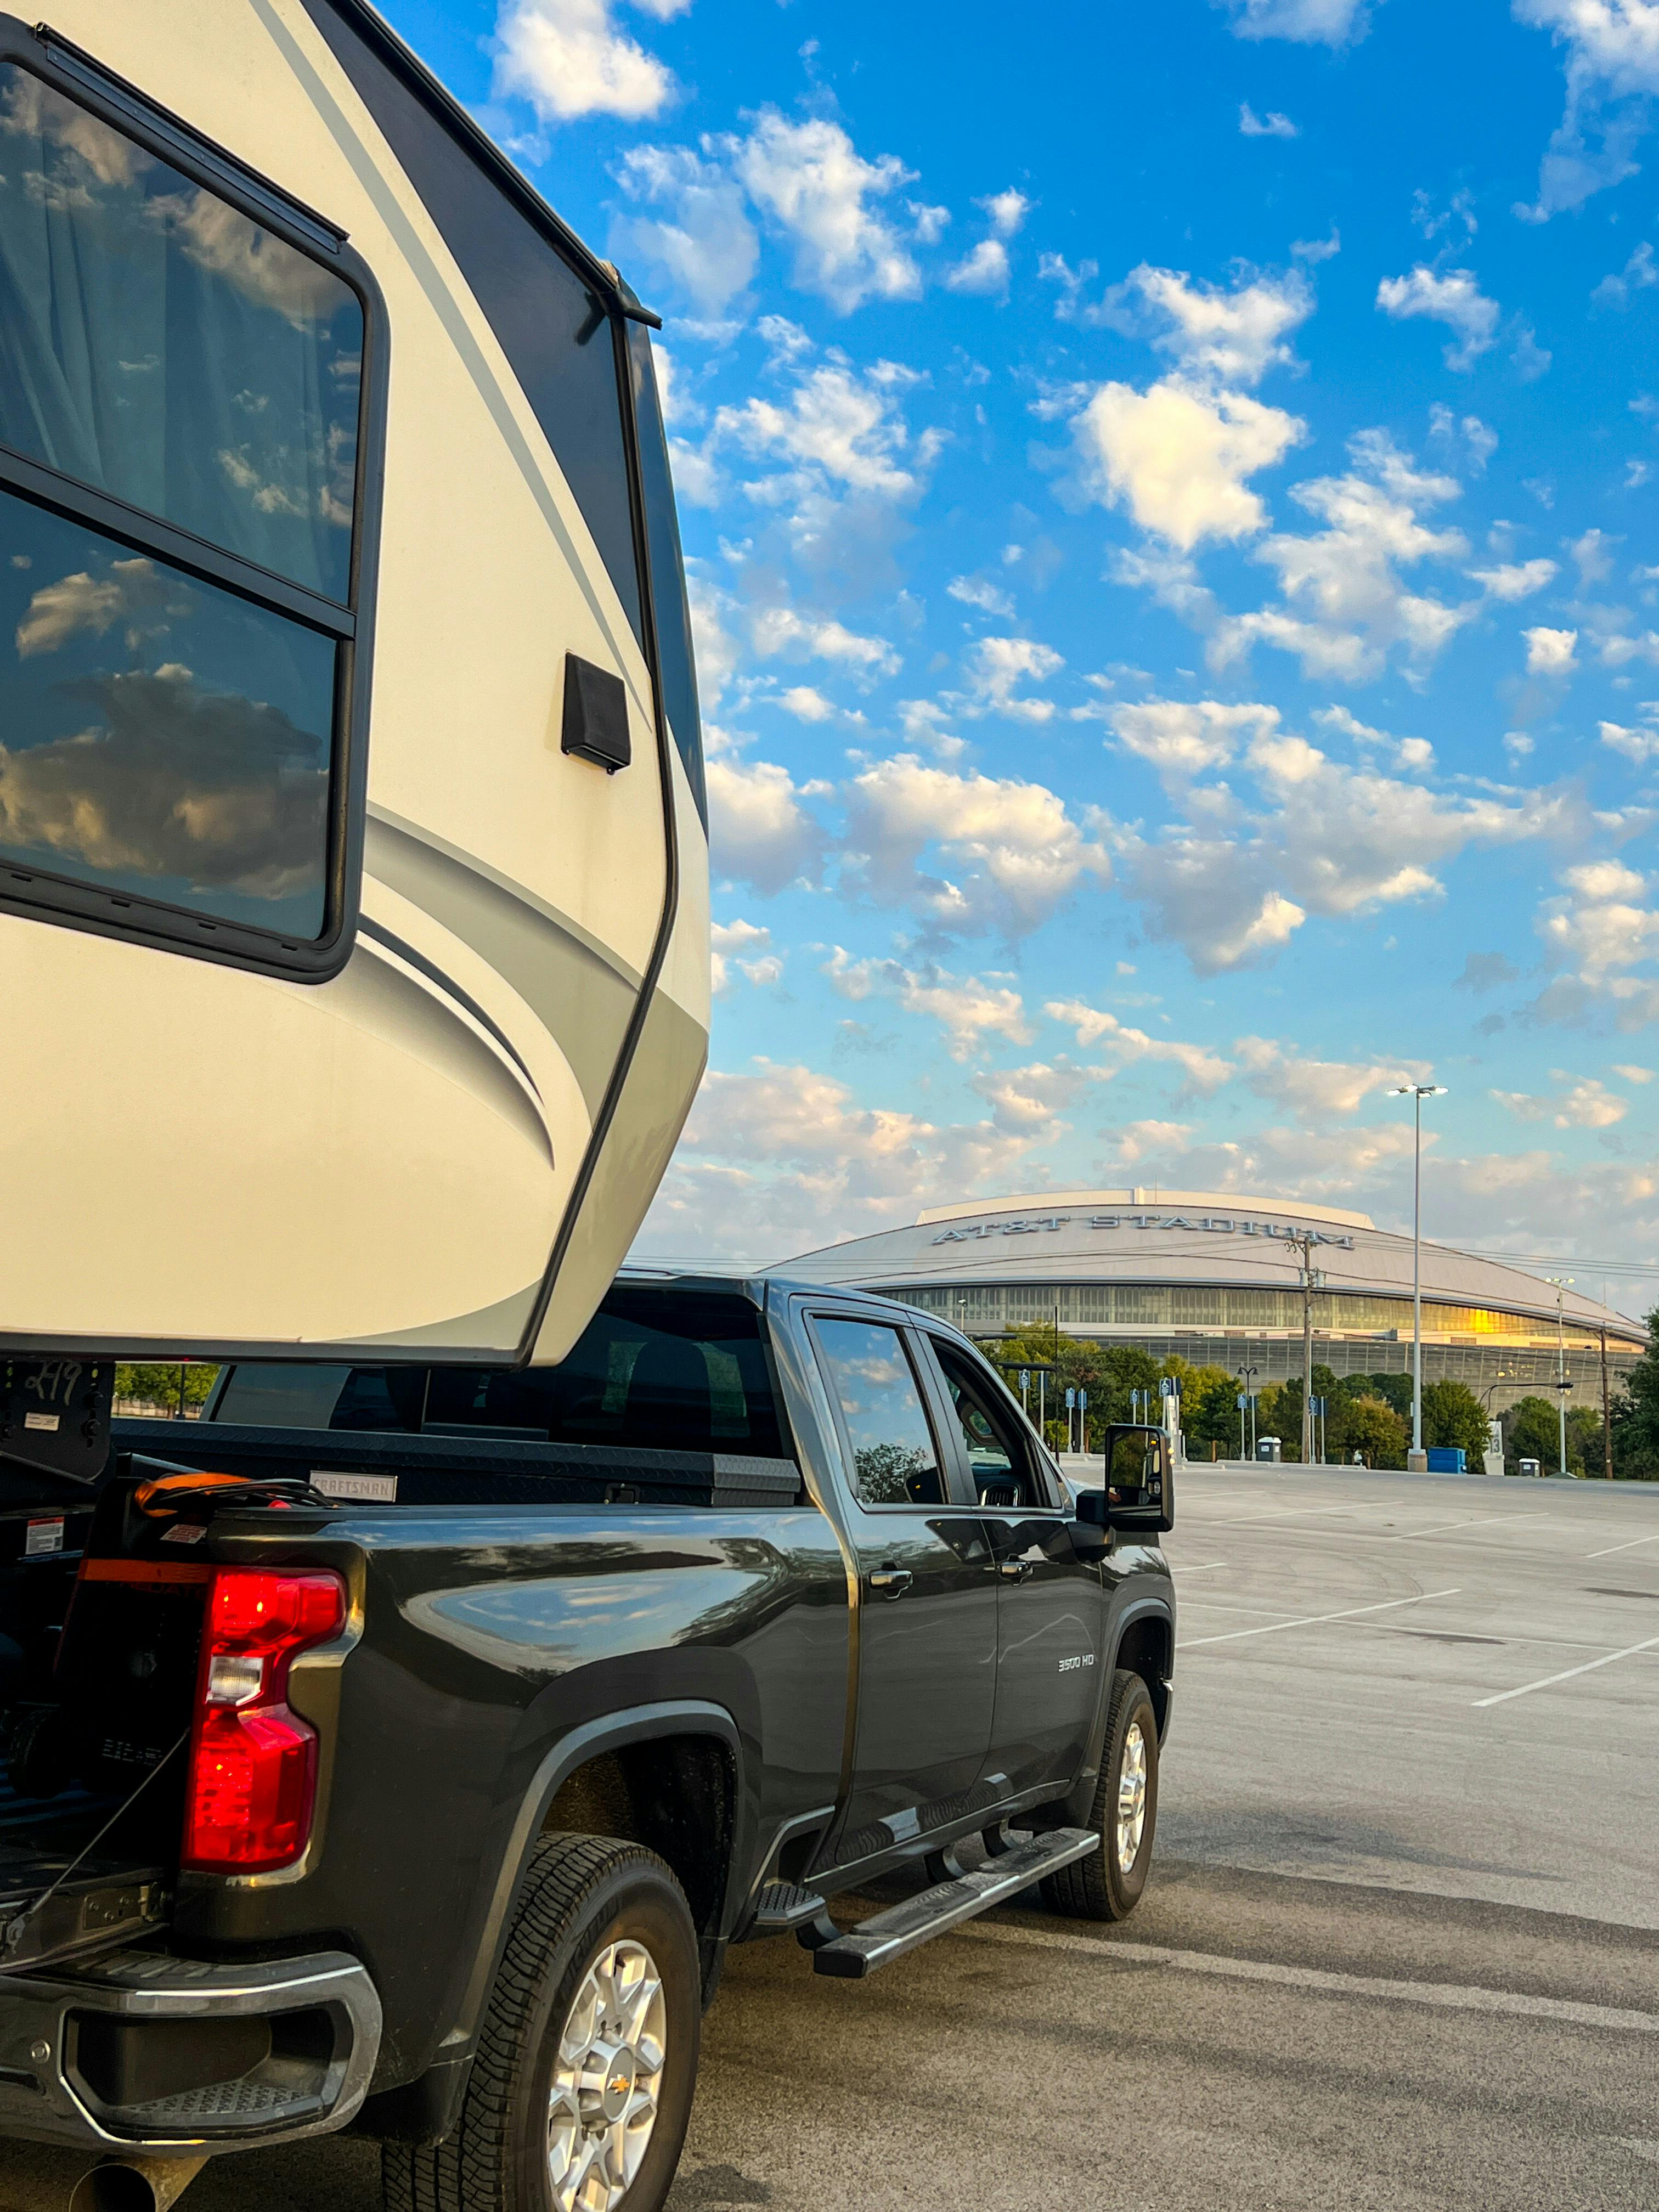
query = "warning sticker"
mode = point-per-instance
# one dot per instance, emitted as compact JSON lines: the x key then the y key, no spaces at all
{"x":48,"y":1421}
{"x":43,"y":1536}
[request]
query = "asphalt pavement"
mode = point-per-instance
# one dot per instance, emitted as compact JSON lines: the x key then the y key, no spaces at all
{"x":1400,"y":1949}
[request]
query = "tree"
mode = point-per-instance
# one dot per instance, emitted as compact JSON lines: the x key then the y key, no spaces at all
{"x":1585,"y":1452}
{"x":1394,"y":1391}
{"x":1452,"y":1415}
{"x":150,"y":1383}
{"x":1376,"y":1431}
{"x":1209,"y":1410}
{"x":1530,"y":1431}
{"x":1635,"y":1415}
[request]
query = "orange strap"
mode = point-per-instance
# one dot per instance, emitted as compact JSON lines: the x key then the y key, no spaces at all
{"x":158,"y":1491}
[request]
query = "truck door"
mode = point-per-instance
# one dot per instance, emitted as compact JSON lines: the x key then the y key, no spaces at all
{"x":1051,"y":1604}
{"x":927,"y":1599}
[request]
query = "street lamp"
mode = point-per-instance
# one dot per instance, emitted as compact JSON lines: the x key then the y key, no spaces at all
{"x":1562,"y":1385}
{"x":1417,"y":1092}
{"x":1247,"y":1375}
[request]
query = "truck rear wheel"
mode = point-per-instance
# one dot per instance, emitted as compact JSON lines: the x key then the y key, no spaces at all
{"x":581,"y":2088}
{"x":1108,"y":1884}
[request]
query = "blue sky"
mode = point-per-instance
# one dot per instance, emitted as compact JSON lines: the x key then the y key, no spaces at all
{"x":1171,"y":496}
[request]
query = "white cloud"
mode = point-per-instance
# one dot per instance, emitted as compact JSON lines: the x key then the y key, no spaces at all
{"x":779,"y":1160}
{"x":1229,"y":336}
{"x":1006,"y":211}
{"x":1346,"y":609}
{"x":1638,"y":746}
{"x":969,"y":1009}
{"x":996,"y":664}
{"x":1272,"y":125}
{"x":1550,"y":652}
{"x":805,"y":704}
{"x":979,"y":591}
{"x":1185,"y":737}
{"x":1013,"y":852}
{"x":1637,"y":1075}
{"x":759,"y":832}
{"x":1515,"y":579}
{"x":781,"y":631}
{"x":1179,"y":456}
{"x":1141,"y":1141}
{"x":1202,"y":1068}
{"x":839,"y":428}
{"x":730,"y":941}
{"x":1588,"y":1105}
{"x":1313,"y":1088}
{"x":1455,"y":299}
{"x":985,"y":269}
{"x":1311,"y":22}
{"x":1638,"y":272}
{"x":1029,"y":1101}
{"x":1234,"y":882}
{"x":1598,"y":930}
{"x":568,"y":58}
{"x":810,"y":179}
{"x":703,"y":241}
{"x":1612,"y":71}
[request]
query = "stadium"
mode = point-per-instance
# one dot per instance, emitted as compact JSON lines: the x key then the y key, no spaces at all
{"x":1216,"y":1277}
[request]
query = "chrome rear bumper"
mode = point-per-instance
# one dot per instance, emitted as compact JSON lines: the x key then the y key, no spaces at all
{"x":142,"y":2051}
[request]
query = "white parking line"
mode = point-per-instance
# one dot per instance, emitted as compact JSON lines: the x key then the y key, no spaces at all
{"x":1314,"y":1619}
{"x":1208,"y":1567}
{"x":1445,"y":1528}
{"x":1443,"y":1996}
{"x":1631,"y":1547}
{"x":1549,"y":1681}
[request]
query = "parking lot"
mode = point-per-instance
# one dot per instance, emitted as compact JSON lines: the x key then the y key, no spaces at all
{"x":1401,"y":1950}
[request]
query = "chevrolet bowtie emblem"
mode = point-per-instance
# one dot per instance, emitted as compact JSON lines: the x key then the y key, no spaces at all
{"x":617,"y":2084}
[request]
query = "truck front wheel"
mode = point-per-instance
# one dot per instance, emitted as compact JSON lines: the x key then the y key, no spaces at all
{"x":1108,"y":1884}
{"x":581,"y":2087}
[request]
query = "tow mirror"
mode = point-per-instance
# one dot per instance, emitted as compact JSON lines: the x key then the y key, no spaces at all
{"x":1140,"y":1492}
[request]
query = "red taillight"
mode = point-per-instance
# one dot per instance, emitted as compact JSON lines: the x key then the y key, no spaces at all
{"x":253,"y":1762}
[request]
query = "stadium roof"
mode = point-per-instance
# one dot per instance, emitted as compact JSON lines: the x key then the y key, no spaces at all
{"x":1145,"y":1235}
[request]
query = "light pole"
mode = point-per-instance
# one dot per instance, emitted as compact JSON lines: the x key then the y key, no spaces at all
{"x":1417,"y":1092}
{"x":1247,"y":1375}
{"x":1562,"y":1385}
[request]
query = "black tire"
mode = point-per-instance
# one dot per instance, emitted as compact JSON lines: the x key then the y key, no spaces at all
{"x":581,"y":1894}
{"x":1100,"y":1887}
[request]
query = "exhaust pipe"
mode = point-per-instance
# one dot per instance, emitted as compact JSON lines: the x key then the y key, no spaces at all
{"x":42,"y":2177}
{"x":134,"y":2185}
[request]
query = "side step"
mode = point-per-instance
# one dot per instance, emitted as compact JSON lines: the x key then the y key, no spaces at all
{"x":784,"y":1906}
{"x":902,"y":1927}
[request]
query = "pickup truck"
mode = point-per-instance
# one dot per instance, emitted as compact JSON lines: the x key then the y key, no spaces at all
{"x":402,"y":1747}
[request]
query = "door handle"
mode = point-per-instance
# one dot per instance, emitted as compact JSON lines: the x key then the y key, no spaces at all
{"x":891,"y":1581}
{"x":1013,"y":1570}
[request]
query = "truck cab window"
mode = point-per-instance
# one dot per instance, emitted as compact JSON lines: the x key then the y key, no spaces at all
{"x":895,"y":1461}
{"x":177,"y":367}
{"x":999,"y":1456}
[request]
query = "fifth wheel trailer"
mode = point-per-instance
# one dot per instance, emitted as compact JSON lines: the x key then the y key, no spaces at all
{"x":353,"y":860}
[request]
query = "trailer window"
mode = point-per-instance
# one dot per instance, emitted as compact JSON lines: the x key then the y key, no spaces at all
{"x":158,"y":345}
{"x":162,"y":739}
{"x":179,"y":403}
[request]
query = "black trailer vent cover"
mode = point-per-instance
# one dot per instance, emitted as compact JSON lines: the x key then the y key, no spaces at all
{"x":595,"y":715}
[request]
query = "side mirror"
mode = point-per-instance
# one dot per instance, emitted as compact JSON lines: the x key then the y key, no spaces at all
{"x":1139,"y":1492}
